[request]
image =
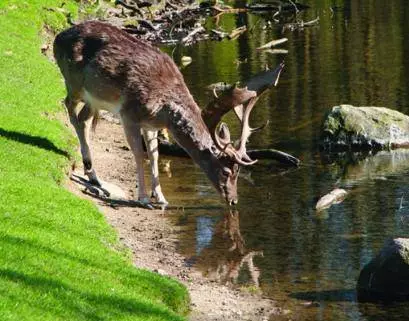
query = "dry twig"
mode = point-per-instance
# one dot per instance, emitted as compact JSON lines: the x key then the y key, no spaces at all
{"x":272,"y":43}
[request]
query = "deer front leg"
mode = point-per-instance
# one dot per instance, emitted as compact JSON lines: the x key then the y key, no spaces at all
{"x":82,"y":125}
{"x":134,"y":138}
{"x":151,"y":142}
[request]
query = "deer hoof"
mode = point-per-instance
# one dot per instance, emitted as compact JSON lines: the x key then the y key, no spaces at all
{"x":144,"y":202}
{"x":92,"y":177}
{"x":159,"y":199}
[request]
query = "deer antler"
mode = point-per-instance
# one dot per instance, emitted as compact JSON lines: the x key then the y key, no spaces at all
{"x":246,"y":130}
{"x":242,"y":101}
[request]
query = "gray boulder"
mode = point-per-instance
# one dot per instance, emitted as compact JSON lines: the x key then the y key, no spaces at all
{"x":373,"y":128}
{"x":386,"y":277}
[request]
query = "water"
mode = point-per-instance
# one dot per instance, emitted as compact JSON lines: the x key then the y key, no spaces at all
{"x":276,"y":243}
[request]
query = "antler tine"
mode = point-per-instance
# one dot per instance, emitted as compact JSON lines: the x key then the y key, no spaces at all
{"x":226,"y":147}
{"x":257,"y":129}
{"x":221,"y":143}
{"x":240,"y":154}
{"x":246,"y":130}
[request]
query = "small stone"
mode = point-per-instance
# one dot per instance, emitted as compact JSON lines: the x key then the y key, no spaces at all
{"x":160,"y":272}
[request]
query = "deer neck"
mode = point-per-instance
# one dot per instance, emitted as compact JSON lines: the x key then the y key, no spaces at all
{"x":191,"y":133}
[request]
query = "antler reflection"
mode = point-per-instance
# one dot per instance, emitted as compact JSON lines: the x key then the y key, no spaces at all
{"x":226,"y":261}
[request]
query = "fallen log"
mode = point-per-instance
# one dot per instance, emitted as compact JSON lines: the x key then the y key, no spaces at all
{"x":167,"y":148}
{"x":277,"y":155}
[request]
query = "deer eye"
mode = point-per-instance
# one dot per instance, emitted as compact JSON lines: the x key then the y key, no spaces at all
{"x":226,"y":172}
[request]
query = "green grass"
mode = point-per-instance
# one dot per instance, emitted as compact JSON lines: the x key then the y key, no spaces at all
{"x":59,"y":260}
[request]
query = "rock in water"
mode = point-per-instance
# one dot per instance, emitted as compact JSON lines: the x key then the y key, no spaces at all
{"x":336,"y":196}
{"x":386,"y":277}
{"x":349,"y":127}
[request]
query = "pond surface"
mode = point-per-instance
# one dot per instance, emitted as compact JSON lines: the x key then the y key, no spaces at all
{"x":275,"y":242}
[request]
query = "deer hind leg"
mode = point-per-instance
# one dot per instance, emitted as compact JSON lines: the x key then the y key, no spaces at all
{"x":134,"y":138}
{"x":81,"y":122}
{"x":151,"y":142}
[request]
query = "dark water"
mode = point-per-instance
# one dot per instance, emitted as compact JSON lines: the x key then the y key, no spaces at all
{"x":276,"y":242}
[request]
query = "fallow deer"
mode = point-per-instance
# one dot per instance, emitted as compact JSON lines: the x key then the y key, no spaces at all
{"x":107,"y":68}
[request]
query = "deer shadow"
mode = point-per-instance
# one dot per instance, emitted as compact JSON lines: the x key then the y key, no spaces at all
{"x":28,"y":139}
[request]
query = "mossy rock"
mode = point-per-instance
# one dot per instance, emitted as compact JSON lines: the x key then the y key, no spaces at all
{"x":386,"y":277}
{"x":349,"y":127}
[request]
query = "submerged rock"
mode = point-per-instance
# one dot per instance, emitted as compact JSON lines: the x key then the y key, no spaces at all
{"x":373,"y":128}
{"x":336,"y":196}
{"x":386,"y":277}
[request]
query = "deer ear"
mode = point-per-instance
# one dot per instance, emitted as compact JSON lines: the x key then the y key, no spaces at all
{"x":224,"y":132}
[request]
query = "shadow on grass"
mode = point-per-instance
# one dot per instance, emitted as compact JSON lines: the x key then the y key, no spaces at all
{"x":40,"y":142}
{"x":79,"y":303}
{"x":60,"y":255}
{"x":133,"y":281}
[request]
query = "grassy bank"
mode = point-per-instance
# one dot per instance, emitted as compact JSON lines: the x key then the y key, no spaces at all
{"x":59,"y":260}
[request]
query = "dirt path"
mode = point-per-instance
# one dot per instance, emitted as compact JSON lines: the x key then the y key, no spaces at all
{"x":153,"y":239}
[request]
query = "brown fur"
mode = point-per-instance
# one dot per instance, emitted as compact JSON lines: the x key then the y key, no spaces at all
{"x":115,"y":68}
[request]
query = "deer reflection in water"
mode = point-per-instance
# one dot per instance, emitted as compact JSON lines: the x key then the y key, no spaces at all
{"x":227,"y":258}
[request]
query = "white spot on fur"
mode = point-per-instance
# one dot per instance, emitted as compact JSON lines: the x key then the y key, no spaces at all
{"x":96,"y":103}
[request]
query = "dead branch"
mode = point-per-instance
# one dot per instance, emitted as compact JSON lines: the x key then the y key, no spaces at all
{"x":219,"y":34}
{"x":300,"y":24}
{"x":272,"y":43}
{"x":171,"y":5}
{"x":131,"y":7}
{"x":277,"y":51}
{"x":237,"y":32}
{"x":279,"y":6}
{"x":225,"y":10}
{"x":294,"y":5}
{"x":142,"y":4}
{"x":189,"y":37}
{"x":228,"y":9}
{"x":147,"y":24}
{"x":311,"y":22}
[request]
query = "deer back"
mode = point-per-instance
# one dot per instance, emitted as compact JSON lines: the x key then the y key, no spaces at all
{"x":114,"y":70}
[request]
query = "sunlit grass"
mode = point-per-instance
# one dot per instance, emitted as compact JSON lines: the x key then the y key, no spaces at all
{"x":59,"y":260}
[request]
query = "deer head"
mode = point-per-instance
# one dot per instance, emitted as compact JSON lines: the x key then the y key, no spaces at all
{"x":232,"y":154}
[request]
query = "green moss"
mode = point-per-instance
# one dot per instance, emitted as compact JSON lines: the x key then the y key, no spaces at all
{"x":332,"y":124}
